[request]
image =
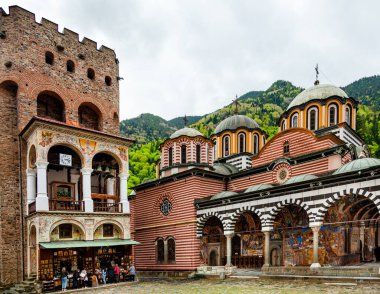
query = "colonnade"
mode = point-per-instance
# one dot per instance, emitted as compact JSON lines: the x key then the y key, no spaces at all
{"x":37,"y":178}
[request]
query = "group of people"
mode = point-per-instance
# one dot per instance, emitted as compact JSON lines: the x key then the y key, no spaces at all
{"x":107,"y":276}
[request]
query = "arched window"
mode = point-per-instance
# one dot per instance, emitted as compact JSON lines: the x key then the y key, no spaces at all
{"x":286,"y":147}
{"x":50,"y":105}
{"x":108,"y":80}
{"x":333,"y":115}
{"x":183,"y":154}
{"x":91,"y":74}
{"x":89,"y":116}
{"x":160,"y":251}
{"x":49,"y":57}
{"x":198,"y":154}
{"x":312,"y":119}
{"x":226,"y":146}
{"x":171,"y":250}
{"x":116,"y":119}
{"x":255,"y":144}
{"x":70,"y":66}
{"x":170,"y":156}
{"x":108,"y":230}
{"x":241,"y":140}
{"x":348,"y":115}
{"x":294,"y":120}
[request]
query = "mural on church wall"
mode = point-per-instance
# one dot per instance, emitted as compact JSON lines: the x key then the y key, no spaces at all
{"x":345,"y":237}
{"x":252,"y":239}
{"x":291,"y":228}
{"x":212,"y":237}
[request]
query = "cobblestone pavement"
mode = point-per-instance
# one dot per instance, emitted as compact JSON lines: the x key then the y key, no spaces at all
{"x":237,"y":286}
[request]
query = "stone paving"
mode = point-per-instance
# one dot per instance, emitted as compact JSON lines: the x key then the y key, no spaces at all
{"x":237,"y":286}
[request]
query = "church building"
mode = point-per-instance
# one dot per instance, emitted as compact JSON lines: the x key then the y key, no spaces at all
{"x":309,"y":196}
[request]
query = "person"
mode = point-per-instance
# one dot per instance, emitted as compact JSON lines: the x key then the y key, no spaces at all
{"x":117,"y":273}
{"x":132,"y":272}
{"x":94,"y":280}
{"x":83,"y":277}
{"x":111,"y":275}
{"x":104,"y":275}
{"x":76,"y":278}
{"x":64,"y":279}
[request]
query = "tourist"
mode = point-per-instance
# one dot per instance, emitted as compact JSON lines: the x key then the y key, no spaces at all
{"x":117,"y":273}
{"x":84,"y":278}
{"x":104,"y":275}
{"x":76,"y":278}
{"x":94,"y":281}
{"x":132,"y":272}
{"x":111,"y":275}
{"x":64,"y":279}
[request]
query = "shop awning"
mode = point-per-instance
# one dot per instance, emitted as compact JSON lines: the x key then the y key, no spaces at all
{"x":93,"y":243}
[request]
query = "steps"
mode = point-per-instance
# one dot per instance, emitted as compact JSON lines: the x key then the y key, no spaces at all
{"x":29,"y":285}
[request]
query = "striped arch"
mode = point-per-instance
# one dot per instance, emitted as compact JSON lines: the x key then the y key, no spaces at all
{"x":280,"y":205}
{"x":236,"y":214}
{"x":202,"y":221}
{"x":338,"y":195}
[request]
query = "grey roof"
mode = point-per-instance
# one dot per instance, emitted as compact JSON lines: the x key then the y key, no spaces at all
{"x":258,"y":187}
{"x":358,"y":164}
{"x":318,"y":92}
{"x":223,"y":194}
{"x":300,"y":178}
{"x":189,"y":132}
{"x":234,"y":122}
{"x":225,"y":168}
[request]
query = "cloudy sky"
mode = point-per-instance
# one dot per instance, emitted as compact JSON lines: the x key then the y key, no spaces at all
{"x":192,"y":57}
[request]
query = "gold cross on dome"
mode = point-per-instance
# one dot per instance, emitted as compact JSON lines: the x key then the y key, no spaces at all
{"x":236,"y":103}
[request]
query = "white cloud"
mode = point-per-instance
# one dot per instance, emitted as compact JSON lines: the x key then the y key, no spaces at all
{"x":193,"y":56}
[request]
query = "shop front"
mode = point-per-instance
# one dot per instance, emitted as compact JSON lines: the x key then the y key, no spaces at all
{"x":91,"y":256}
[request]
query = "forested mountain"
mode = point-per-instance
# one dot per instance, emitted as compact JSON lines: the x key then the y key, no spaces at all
{"x":149,"y":127}
{"x":263,"y":106}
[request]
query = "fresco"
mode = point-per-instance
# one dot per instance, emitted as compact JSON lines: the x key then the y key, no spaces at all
{"x":252,"y":239}
{"x":291,"y":229}
{"x":345,"y":237}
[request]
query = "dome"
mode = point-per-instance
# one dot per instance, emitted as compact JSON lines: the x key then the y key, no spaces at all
{"x":358,"y":164}
{"x":318,"y":92}
{"x":223,"y":194}
{"x":300,"y":178}
{"x":189,"y":132}
{"x":258,"y":187}
{"x":225,"y":168}
{"x":234,"y":122}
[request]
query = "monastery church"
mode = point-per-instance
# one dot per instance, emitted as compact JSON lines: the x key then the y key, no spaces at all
{"x":306,"y":199}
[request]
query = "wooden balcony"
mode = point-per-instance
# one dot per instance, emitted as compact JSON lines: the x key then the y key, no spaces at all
{"x":66,"y":205}
{"x":107,"y":207}
{"x":32,"y":207}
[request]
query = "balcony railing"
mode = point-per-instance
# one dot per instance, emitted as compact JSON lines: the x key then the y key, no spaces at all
{"x":245,"y":261}
{"x":32,"y":207}
{"x":66,"y":205}
{"x":107,"y":207}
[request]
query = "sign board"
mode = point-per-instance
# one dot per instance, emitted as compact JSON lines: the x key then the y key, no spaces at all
{"x":65,"y":159}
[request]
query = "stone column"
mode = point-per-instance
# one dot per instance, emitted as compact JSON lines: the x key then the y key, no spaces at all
{"x":229,"y":248}
{"x":111,"y":189}
{"x":86,"y":189}
{"x":124,"y":192}
{"x":266,"y":232}
{"x":42,"y":200}
{"x":315,"y":229}
{"x":31,"y":185}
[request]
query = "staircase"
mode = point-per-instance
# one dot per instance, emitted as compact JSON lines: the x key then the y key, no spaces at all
{"x":29,"y":285}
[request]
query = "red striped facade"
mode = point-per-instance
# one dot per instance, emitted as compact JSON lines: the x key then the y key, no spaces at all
{"x":148,"y":223}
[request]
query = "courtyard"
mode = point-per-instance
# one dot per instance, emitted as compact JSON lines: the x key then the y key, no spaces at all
{"x":237,"y":286}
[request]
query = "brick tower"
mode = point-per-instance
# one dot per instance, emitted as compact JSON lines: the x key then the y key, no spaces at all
{"x":58,"y":95}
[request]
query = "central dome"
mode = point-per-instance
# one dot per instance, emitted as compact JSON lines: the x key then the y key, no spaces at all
{"x":189,"y":132}
{"x":236,"y":121}
{"x":317,"y":92}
